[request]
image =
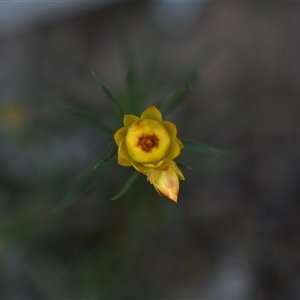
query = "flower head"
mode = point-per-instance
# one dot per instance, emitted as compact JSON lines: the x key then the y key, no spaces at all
{"x":149,"y":144}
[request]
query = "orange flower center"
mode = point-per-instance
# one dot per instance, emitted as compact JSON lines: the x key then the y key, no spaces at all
{"x":147,"y":142}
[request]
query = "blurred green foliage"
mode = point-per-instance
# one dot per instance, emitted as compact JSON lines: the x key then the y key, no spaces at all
{"x":66,"y":239}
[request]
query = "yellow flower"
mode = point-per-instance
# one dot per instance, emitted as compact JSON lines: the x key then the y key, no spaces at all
{"x":12,"y":116}
{"x":150,"y":144}
{"x":147,"y":142}
{"x":166,"y":182}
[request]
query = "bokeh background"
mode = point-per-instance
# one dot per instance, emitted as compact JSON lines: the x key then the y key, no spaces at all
{"x":234,"y":234}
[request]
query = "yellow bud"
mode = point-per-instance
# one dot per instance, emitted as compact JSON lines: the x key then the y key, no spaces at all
{"x":167,"y":182}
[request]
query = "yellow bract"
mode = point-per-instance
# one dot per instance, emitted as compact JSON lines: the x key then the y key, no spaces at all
{"x":150,"y":144}
{"x":166,"y":182}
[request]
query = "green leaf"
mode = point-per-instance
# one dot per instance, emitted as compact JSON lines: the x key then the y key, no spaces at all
{"x":183,"y":165}
{"x":132,"y":89}
{"x":205,"y":149}
{"x":178,"y":95}
{"x":130,"y":77}
{"x":106,"y":159}
{"x":81,"y":185}
{"x":91,"y":119}
{"x":127,"y":185}
{"x":115,"y":103}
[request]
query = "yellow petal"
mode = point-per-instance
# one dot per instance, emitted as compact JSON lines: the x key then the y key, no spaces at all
{"x":165,"y":165}
{"x":171,"y":128}
{"x":123,"y":162}
{"x":155,"y":165}
{"x":129,"y":120}
{"x":152,"y":113}
{"x":120,"y":135}
{"x":152,"y":175}
{"x":178,"y":141}
{"x":123,"y":157}
{"x":140,"y":167}
{"x":174,"y":150}
{"x":177,"y":170}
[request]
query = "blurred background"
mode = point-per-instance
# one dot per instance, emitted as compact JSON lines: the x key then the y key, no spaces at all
{"x":234,"y":234}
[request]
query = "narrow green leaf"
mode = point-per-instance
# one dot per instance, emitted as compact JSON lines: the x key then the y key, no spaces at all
{"x":183,"y":165}
{"x":151,"y":62}
{"x":127,"y":185}
{"x":178,"y":95}
{"x":91,"y":119}
{"x":205,"y":149}
{"x":130,"y":76}
{"x":106,"y":159}
{"x":80,"y":187}
{"x":175,"y":98}
{"x":132,"y":89}
{"x":115,"y":103}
